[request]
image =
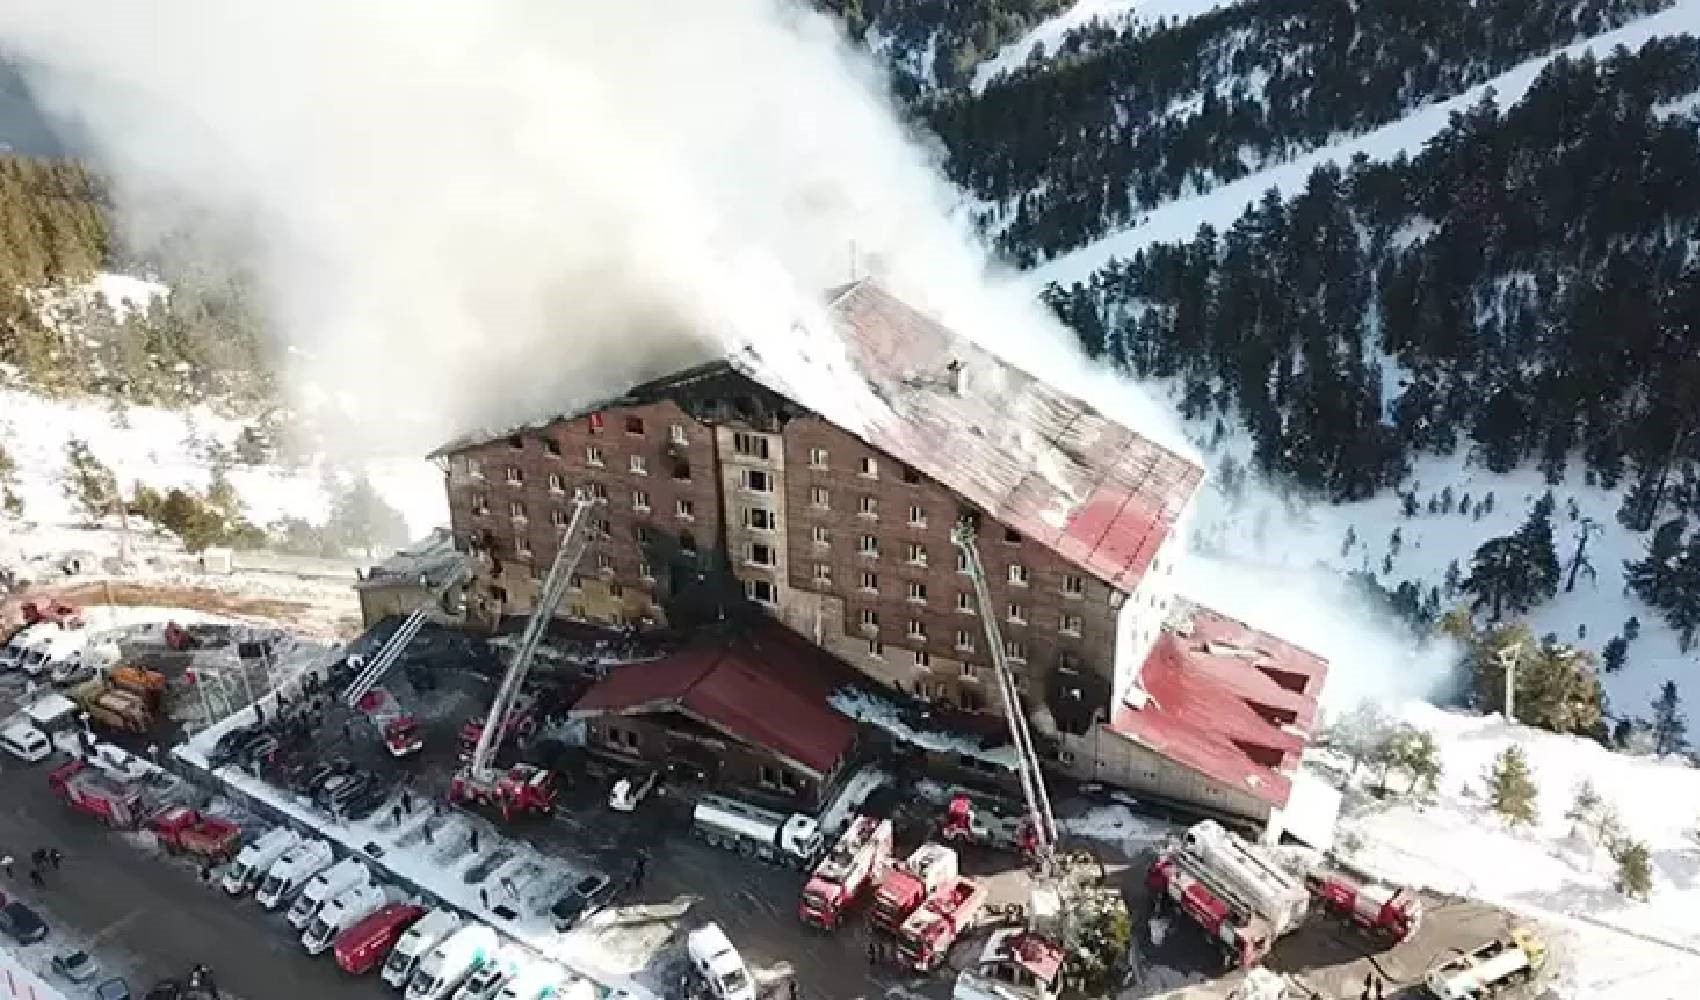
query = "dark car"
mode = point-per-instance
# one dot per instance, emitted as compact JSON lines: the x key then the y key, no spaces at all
{"x":587,"y":895}
{"x":369,"y":801}
{"x":21,"y":924}
{"x":229,"y":746}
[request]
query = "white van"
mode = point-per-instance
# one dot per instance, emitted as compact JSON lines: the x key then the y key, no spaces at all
{"x":65,"y":653}
{"x":18,"y":650}
{"x":42,"y":642}
{"x":26,"y":742}
{"x":719,"y":965}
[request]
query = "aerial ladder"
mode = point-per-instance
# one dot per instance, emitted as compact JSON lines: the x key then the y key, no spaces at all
{"x":523,"y":788}
{"x":1006,"y":970}
{"x":1043,"y":845}
{"x":389,"y":654}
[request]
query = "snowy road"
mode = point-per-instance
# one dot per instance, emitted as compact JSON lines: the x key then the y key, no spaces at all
{"x":152,"y":916}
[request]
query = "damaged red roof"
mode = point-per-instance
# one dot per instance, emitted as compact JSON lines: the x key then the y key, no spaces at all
{"x":1229,"y":701}
{"x":759,"y":689}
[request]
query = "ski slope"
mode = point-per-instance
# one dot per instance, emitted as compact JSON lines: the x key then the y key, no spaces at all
{"x":1115,"y":13}
{"x":1613,"y":948}
{"x":1178,"y":220}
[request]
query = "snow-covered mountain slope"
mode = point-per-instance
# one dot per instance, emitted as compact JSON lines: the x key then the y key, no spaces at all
{"x":1617,"y":948}
{"x":1179,"y":219}
{"x":1256,"y":528}
{"x":1111,"y":13}
{"x":164,"y":448}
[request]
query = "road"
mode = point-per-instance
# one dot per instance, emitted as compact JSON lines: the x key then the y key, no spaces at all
{"x":151,"y":913}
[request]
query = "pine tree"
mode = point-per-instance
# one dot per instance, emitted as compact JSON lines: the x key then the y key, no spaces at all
{"x":1614,"y":653}
{"x":1517,"y":571}
{"x":1670,"y":728}
{"x":1361,"y":733}
{"x":1415,"y":752}
{"x":1583,"y":808}
{"x":87,"y":481}
{"x":1511,"y":787}
{"x":10,"y":502}
{"x":360,"y":518}
{"x":1634,"y":868}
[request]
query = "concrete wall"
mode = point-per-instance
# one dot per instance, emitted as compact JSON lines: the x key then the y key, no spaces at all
{"x":1139,"y":620}
{"x":1114,"y":759}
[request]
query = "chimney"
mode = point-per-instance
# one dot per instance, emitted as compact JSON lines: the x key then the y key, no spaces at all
{"x":958,"y":377}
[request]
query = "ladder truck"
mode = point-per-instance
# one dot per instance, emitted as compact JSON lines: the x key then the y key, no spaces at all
{"x":398,"y":730}
{"x":854,"y":863}
{"x":998,"y":973}
{"x":908,"y":883}
{"x":1234,"y":890}
{"x":523,"y":789}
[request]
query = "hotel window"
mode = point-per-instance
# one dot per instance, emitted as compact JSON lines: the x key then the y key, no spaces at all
{"x":964,"y":640}
{"x":871,"y":581}
{"x":634,"y":425}
{"x":817,"y":458}
{"x":869,"y":545}
{"x":556,"y":483}
{"x":1015,"y":651}
{"x":516,"y":510}
{"x":592,"y":455}
{"x":758,"y":518}
{"x":820,"y":535}
{"x":923,"y":659}
{"x":917,"y":628}
{"x":755,"y":480}
{"x":1070,"y":625}
{"x":965,"y":602}
{"x":1017,"y":575}
{"x":917,"y":516}
{"x":1074,"y":585}
{"x":821,"y":497}
{"x":870,"y":468}
{"x":749,"y":445}
{"x":638,"y":465}
{"x":918,"y":592}
{"x":823,"y":574}
{"x":917,"y":553}
{"x":515,"y":476}
{"x":685,"y":509}
{"x":1017,"y":614}
{"x":640,"y":501}
{"x":869,"y":507}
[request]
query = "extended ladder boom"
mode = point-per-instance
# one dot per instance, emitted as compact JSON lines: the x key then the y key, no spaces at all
{"x":1027,"y":757}
{"x":389,"y":654}
{"x":574,"y":541}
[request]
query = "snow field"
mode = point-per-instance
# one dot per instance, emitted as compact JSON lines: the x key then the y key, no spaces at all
{"x":1178,"y":220}
{"x":1115,"y":13}
{"x":1616,"y":948}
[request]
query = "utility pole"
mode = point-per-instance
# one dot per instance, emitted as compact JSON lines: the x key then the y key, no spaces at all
{"x":1508,"y":660}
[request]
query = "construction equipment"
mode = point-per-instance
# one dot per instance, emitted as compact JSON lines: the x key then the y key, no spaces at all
{"x":1236,"y":891}
{"x":181,"y":830}
{"x":1489,"y":970}
{"x":926,"y":937}
{"x":793,"y":840}
{"x":523,"y":789}
{"x":112,"y":707}
{"x":51,"y":610}
{"x":148,"y":685}
{"x":853,"y":864}
{"x":1371,"y":904}
{"x":908,"y":883}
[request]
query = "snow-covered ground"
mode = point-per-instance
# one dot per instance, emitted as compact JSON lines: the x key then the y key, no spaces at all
{"x":1617,"y":949}
{"x":1179,"y":220}
{"x":1114,"y":13}
{"x":1264,"y":540}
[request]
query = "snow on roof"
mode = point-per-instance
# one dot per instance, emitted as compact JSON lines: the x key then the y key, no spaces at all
{"x":1035,"y":458}
{"x":430,"y":562}
{"x":752,"y":691}
{"x":1227,"y":700}
{"x":865,"y":706}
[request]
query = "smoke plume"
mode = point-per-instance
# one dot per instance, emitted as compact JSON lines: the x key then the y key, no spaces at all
{"x":483,"y":213}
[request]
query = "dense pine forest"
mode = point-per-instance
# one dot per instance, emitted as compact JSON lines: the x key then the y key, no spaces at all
{"x":1120,"y":121}
{"x":932,"y":44}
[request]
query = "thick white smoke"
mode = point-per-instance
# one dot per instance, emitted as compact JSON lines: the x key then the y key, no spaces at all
{"x":487,"y":212}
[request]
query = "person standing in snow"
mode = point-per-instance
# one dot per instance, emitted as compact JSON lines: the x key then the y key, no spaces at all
{"x":6,"y":865}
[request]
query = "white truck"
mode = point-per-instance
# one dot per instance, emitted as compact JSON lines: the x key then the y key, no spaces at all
{"x":442,"y":971}
{"x":255,"y":859}
{"x":540,"y":981}
{"x":718,"y":965}
{"x":414,"y":945}
{"x":1489,"y":970}
{"x":325,"y":886}
{"x":793,"y":840}
{"x":348,"y":908}
{"x":290,"y":872}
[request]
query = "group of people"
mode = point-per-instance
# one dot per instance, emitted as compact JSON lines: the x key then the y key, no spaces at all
{"x":41,"y":859}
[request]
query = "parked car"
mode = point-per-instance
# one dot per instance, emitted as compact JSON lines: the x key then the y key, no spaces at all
{"x":586,"y":896}
{"x":76,"y":966}
{"x":165,"y":989}
{"x":113,"y":989}
{"x":21,"y":924}
{"x":26,"y":743}
{"x":369,"y":801}
{"x":632,"y":789}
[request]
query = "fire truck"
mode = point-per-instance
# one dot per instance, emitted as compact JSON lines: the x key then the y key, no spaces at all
{"x":523,"y":789}
{"x":985,"y":823}
{"x":908,"y":883}
{"x":1381,"y":910}
{"x":398,"y":729}
{"x":519,"y":725}
{"x":113,"y":801}
{"x":855,"y":862}
{"x":926,"y":937}
{"x":1236,"y":891}
{"x":182,"y":830}
{"x":1489,"y":970}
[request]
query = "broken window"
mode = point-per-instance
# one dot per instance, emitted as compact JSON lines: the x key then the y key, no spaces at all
{"x":634,"y":425}
{"x":552,"y":446}
{"x":687,"y":543}
{"x":759,"y":553}
{"x":755,"y":480}
{"x":910,"y":476}
{"x":516,"y":442}
{"x":761,"y":591}
{"x":750,"y":445}
{"x":682,"y":471}
{"x":1011,"y":536}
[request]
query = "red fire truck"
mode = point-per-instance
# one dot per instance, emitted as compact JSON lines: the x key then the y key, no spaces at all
{"x":855,"y":862}
{"x":908,"y":883}
{"x":1379,"y":909}
{"x":925,"y":939}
